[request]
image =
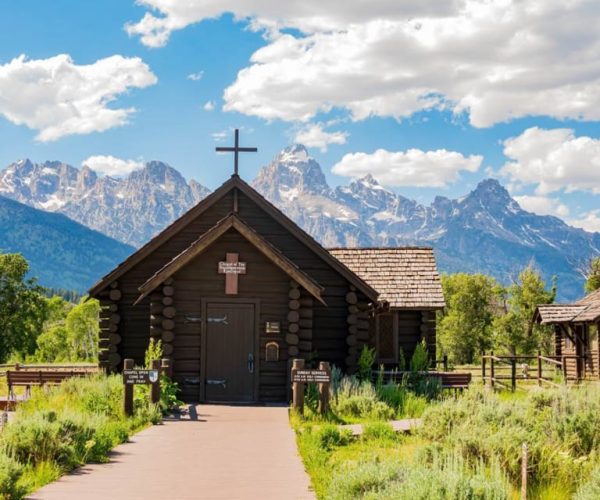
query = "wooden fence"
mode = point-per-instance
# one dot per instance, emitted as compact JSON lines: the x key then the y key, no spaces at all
{"x":506,"y":371}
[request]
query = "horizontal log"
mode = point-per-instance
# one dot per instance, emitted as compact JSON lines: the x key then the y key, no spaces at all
{"x":167,"y":301}
{"x":115,"y":294}
{"x":351,"y":340}
{"x":293,"y":317}
{"x":156,"y":308}
{"x":167,"y":349}
{"x":352,"y":319}
{"x":155,"y":330}
{"x":156,"y":319}
{"x":294,"y":305}
{"x":168,"y":291}
{"x":112,"y":348}
{"x":168,"y":324}
{"x":293,"y":328}
{"x":351,"y":298}
{"x":305,"y":323}
{"x":293,"y":284}
{"x":362,"y":325}
{"x":293,"y":350}
{"x":167,"y":336}
{"x":104,"y":343}
{"x":306,"y":302}
{"x":114,"y":284}
{"x":115,"y":318}
{"x":305,"y":334}
{"x":352,"y":329}
{"x":353,"y":309}
{"x":169,"y":312}
{"x":306,"y":313}
{"x":291,"y":339}
{"x":114,"y":359}
{"x":294,"y":293}
{"x":156,"y":297}
{"x":362,"y":335}
{"x":351,"y":360}
{"x":115,"y":339}
{"x":305,"y":345}
{"x":169,"y":281}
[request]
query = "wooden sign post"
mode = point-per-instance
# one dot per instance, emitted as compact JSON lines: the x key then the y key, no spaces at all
{"x":136,"y":376}
{"x":302,"y":376}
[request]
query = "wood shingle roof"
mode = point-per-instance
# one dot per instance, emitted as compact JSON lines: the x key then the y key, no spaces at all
{"x":406,"y":278}
{"x":586,"y":310}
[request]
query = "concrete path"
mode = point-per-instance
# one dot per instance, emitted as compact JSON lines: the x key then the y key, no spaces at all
{"x":404,"y":425}
{"x":218,"y":452}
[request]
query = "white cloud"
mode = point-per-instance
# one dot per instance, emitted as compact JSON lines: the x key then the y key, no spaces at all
{"x":209,"y":106}
{"x":589,"y":221}
{"x":58,"y":97}
{"x":195,"y":77}
{"x":553,"y":160}
{"x":409,"y":168}
{"x":543,"y":205}
{"x":493,"y":59}
{"x":220,"y":136}
{"x":109,"y":165}
{"x":315,"y":136}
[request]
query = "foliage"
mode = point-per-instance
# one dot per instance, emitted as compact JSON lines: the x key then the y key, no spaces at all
{"x":420,"y":359}
{"x":62,"y":427}
{"x":70,"y":332}
{"x":10,"y":472}
{"x":590,"y":490}
{"x":592,"y":282}
{"x":153,"y":352}
{"x":365,"y":363}
{"x":516,"y":331}
{"x":465,"y":327}
{"x":22,"y":307}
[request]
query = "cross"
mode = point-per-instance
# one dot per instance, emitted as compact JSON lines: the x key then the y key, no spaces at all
{"x":236,"y":150}
{"x":231,"y":267}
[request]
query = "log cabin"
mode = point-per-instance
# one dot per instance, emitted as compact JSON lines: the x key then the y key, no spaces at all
{"x":235,"y":290}
{"x":576,"y":327}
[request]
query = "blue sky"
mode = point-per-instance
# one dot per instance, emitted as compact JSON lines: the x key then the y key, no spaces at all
{"x":438,"y":87}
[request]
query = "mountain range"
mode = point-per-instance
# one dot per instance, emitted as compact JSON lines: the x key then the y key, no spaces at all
{"x":484,"y":231}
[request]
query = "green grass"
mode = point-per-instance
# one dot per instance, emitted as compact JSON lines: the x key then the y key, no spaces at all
{"x":63,"y":427}
{"x":469,"y":447}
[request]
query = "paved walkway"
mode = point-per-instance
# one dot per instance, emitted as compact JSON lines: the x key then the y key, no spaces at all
{"x":218,"y":452}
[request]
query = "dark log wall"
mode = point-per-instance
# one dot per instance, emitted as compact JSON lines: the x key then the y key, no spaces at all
{"x":409,"y":332}
{"x":263,"y":281}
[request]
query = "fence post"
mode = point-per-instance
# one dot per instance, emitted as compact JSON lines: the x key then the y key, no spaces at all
{"x":524,"y":465}
{"x":445,"y":362}
{"x":166,"y":368}
{"x":128,"y":390}
{"x":483,"y":368}
{"x":540,"y":373}
{"x":492,"y":372}
{"x":324,"y":389}
{"x":155,"y":387}
{"x":513,"y":374}
{"x":298,"y":388}
{"x":564,"y":368}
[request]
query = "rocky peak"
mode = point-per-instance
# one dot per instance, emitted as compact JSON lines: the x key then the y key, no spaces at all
{"x":291,"y":173}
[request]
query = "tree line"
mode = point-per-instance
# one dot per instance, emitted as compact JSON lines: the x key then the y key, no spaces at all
{"x":482,"y":315}
{"x":41,"y":325}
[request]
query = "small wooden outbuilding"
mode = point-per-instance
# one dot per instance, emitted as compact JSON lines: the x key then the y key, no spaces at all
{"x":235,"y":290}
{"x":576,"y":327}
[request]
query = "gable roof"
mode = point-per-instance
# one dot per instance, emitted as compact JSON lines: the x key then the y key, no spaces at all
{"x":212,"y":235}
{"x":235,"y":182}
{"x":586,"y":310}
{"x":407,"y":278}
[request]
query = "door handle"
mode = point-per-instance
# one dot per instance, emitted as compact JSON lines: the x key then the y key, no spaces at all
{"x":251,"y":362}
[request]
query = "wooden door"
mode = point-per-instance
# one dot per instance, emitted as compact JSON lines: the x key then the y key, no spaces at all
{"x":230,"y":354}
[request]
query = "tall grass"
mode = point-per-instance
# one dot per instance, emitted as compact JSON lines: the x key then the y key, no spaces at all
{"x":63,"y":427}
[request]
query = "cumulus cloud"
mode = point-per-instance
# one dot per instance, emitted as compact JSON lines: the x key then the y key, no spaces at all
{"x":209,"y":106}
{"x":195,"y":77}
{"x":553,"y":160}
{"x":413,"y":167}
{"x":494,"y":60}
{"x":543,"y":205}
{"x":109,"y":165}
{"x":589,"y":221}
{"x":315,"y":136}
{"x":58,"y":97}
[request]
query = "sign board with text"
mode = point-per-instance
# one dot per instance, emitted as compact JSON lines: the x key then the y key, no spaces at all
{"x":139,"y":376}
{"x":311,"y":376}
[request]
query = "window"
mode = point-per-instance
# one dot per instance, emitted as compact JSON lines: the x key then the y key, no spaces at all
{"x":386,"y":331}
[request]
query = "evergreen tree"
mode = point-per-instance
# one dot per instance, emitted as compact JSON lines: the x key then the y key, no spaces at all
{"x":593,"y":276}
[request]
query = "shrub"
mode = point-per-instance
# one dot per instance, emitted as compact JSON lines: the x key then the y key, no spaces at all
{"x":364,"y":407}
{"x":10,"y":472}
{"x":365,"y":363}
{"x":420,"y":359}
{"x":590,"y":490}
{"x":379,"y":430}
{"x":330,"y":436}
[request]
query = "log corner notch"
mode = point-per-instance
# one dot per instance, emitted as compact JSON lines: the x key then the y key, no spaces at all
{"x":358,"y":327}
{"x":162,"y":315}
{"x":109,"y":358}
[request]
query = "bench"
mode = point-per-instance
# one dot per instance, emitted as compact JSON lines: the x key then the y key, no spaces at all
{"x":28,"y":378}
{"x":448,"y":380}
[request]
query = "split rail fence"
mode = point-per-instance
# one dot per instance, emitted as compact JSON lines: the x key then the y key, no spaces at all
{"x":506,"y":371}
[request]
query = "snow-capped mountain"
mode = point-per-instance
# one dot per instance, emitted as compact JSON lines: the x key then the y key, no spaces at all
{"x":131,"y":209}
{"x":484,"y":231}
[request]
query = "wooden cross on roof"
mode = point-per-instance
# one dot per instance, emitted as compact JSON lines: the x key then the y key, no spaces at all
{"x":236,"y":149}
